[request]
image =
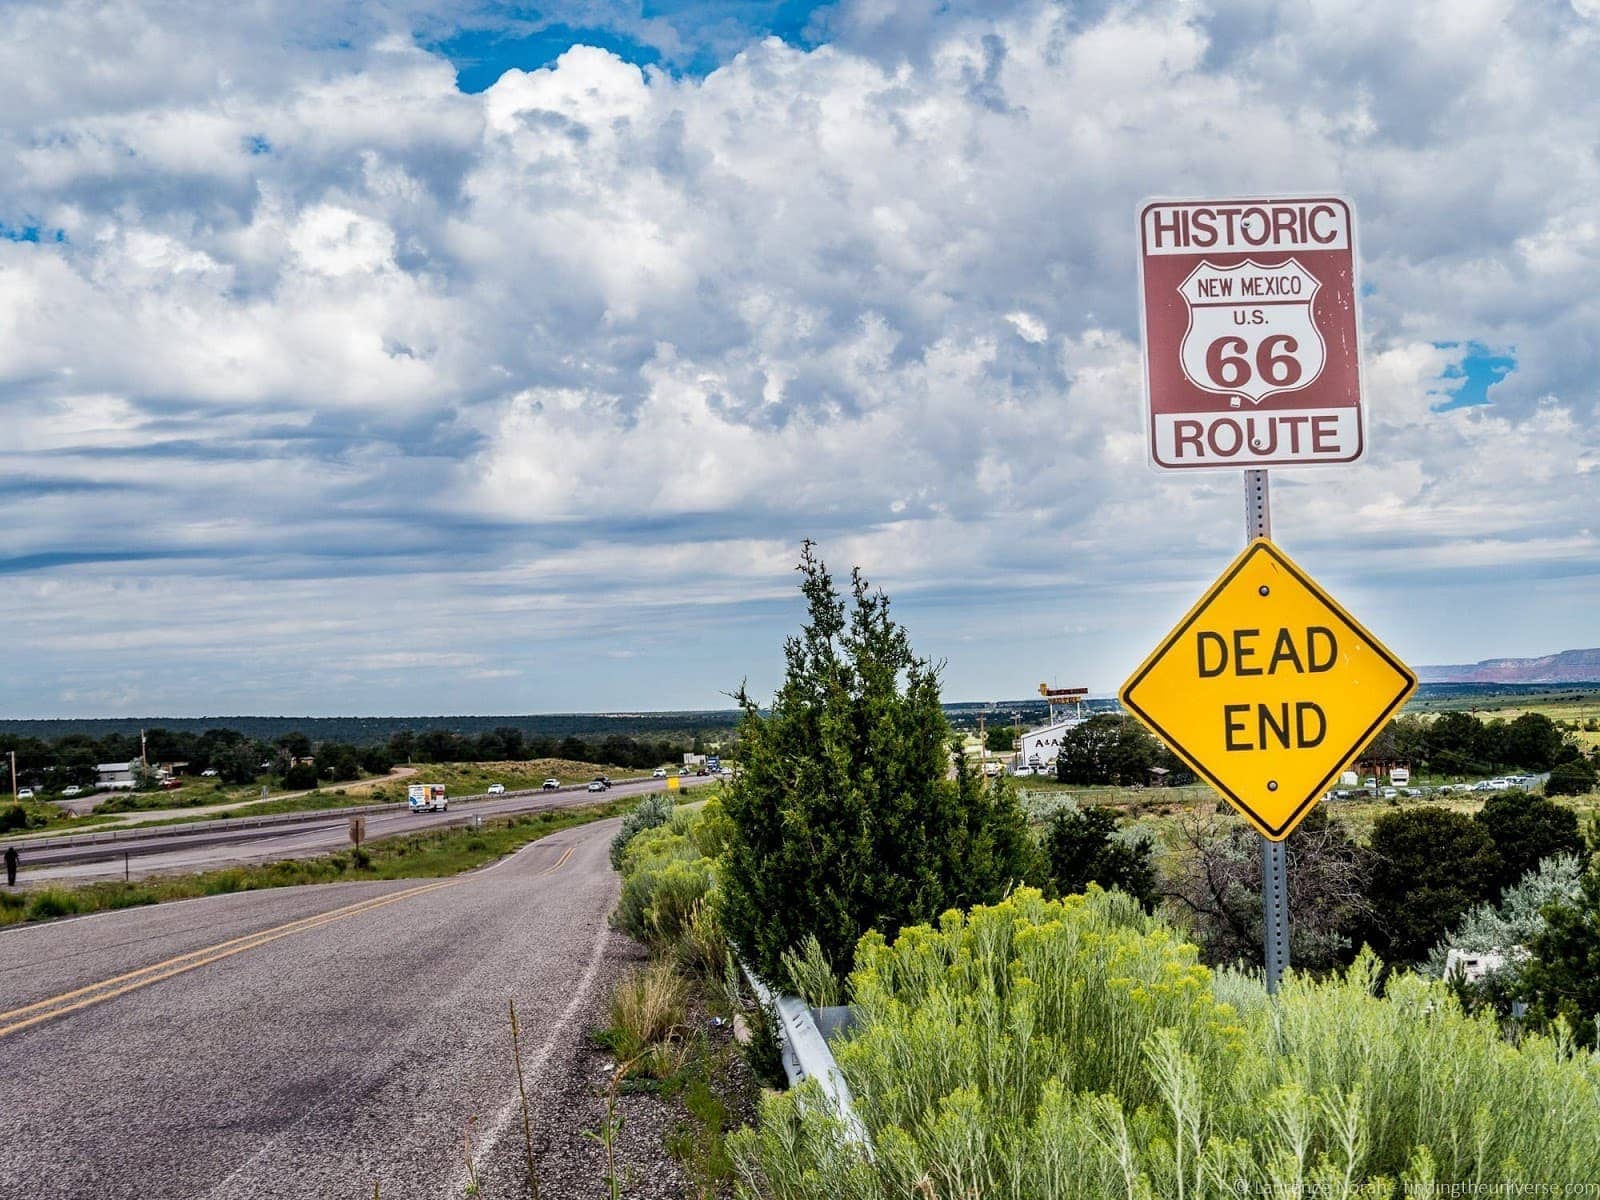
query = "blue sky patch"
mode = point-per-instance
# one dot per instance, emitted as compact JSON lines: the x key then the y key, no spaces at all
{"x":691,"y":37}
{"x":1468,"y":381}
{"x":30,"y":233}
{"x":481,"y":56}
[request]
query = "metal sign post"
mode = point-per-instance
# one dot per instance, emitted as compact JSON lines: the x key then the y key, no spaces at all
{"x":1274,"y":855}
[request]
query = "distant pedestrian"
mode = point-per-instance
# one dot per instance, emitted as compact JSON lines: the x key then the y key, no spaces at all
{"x":11,"y":866}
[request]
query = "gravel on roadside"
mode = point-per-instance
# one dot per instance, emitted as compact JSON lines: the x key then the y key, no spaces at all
{"x":568,"y":1108}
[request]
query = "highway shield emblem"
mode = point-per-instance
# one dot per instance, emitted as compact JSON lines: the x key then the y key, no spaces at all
{"x":1251,"y":334}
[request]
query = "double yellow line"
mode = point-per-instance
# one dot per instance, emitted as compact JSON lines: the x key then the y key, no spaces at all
{"x":95,"y":993}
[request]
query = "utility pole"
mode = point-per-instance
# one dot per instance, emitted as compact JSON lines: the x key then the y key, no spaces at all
{"x":13,"y":755}
{"x":143,"y":756}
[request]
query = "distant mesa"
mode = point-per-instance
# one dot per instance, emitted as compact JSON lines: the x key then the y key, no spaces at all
{"x":1569,"y":666}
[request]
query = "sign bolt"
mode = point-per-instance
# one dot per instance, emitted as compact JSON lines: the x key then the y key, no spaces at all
{"x":1264,"y":590}
{"x":1272,"y":785}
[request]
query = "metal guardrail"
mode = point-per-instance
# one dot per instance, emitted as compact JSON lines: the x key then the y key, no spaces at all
{"x":806,"y":1056}
{"x":212,"y":825}
{"x":306,"y":817}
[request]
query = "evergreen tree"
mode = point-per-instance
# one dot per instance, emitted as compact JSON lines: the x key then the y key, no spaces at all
{"x":1573,"y":778}
{"x":1082,"y":848}
{"x":1107,"y":748}
{"x":1430,"y":867}
{"x":841,"y":817}
{"x":1562,"y":978}
{"x":1526,"y":830}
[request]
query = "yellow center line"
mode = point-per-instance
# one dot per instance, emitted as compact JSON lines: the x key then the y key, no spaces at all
{"x":550,"y":870}
{"x":107,"y":989}
{"x":44,"y":1010}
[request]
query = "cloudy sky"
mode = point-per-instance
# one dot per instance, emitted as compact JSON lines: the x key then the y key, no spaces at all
{"x":478,"y":357}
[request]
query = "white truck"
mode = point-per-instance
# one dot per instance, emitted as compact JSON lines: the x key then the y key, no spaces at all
{"x":427,"y":797}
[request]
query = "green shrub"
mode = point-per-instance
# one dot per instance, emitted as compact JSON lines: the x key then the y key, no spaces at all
{"x":659,"y":899}
{"x":1053,"y":1049}
{"x":652,"y":811}
{"x":658,"y":845}
{"x":52,"y":902}
{"x":703,"y":946}
{"x":710,"y":829}
{"x":1571,"y":778}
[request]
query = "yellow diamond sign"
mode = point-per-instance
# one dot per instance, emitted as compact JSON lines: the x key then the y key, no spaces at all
{"x":1267,"y":688}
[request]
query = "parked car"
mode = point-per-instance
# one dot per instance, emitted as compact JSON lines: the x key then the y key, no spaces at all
{"x":209,"y":773}
{"x":659,"y":773}
{"x":1389,"y":793}
{"x":72,"y":790}
{"x":497,"y":789}
{"x":25,"y":794}
{"x":551,"y":784}
{"x":168,"y":785}
{"x":596,"y":786}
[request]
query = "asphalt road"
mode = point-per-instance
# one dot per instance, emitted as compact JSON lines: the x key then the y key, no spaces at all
{"x":210,"y":844}
{"x":302,"y":1042}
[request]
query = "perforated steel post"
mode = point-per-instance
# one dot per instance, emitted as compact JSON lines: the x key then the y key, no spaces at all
{"x":1274,"y":855}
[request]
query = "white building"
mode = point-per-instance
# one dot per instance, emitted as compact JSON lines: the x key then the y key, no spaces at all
{"x":115,"y":777}
{"x":1470,"y":966}
{"x":1039,"y":747}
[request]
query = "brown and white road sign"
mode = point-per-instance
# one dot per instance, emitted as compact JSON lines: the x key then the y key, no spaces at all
{"x":1249,"y":316}
{"x":1267,"y":688}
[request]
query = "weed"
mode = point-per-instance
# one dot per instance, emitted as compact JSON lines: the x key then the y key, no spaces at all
{"x":51,"y":902}
{"x":610,"y":1129}
{"x":646,"y":1007}
{"x":811,"y":975}
{"x":700,"y":1146}
{"x":467,"y":1150}
{"x":527,"y":1119}
{"x":702,"y":946}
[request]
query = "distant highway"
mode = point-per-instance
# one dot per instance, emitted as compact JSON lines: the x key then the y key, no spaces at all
{"x":204,"y":845}
{"x":299,"y":1042}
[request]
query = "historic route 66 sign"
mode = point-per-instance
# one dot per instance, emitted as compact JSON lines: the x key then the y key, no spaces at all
{"x":1250,"y":332}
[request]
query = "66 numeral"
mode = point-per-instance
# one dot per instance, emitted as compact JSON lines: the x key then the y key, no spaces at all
{"x":1275,"y":361}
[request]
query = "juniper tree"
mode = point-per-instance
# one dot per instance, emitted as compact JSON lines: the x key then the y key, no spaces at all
{"x":841,"y":816}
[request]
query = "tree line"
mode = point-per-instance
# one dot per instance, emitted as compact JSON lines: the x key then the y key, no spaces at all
{"x":298,"y":760}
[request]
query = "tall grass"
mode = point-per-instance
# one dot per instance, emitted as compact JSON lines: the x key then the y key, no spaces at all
{"x":1043,"y":1050}
{"x":646,"y":1008}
